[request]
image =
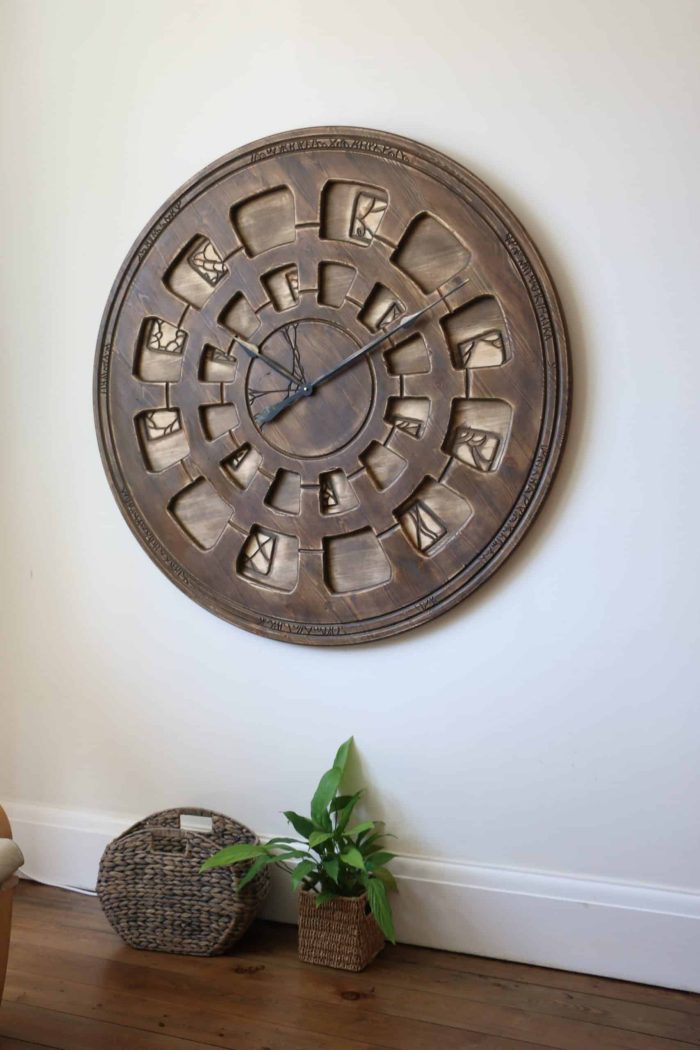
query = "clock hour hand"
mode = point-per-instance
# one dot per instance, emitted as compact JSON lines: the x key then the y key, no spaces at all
{"x":266,"y":415}
{"x":255,"y":353}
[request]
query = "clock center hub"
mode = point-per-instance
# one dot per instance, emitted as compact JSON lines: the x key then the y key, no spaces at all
{"x":326,"y":418}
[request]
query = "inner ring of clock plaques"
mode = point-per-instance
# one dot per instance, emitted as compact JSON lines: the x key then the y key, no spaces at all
{"x":334,"y":413}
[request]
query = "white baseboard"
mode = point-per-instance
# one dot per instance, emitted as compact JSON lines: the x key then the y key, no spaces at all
{"x":633,"y":932}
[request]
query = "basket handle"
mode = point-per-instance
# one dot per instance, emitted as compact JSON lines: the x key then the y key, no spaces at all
{"x":201,"y":823}
{"x":216,"y":823}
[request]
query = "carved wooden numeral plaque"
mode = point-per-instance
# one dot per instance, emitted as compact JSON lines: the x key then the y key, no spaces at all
{"x":378,"y":496}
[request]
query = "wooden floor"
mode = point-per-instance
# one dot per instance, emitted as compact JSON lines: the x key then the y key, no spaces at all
{"x":73,"y":985}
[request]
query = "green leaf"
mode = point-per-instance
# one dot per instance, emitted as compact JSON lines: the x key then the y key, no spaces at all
{"x":380,"y":908}
{"x":346,"y":812}
{"x":385,"y":876}
{"x":254,"y":868}
{"x":234,"y":855}
{"x":316,"y":838}
{"x":277,"y":840}
{"x":332,"y":866}
{"x":302,"y":825}
{"x":359,"y":828}
{"x":301,"y":871}
{"x":322,"y":898}
{"x":369,"y":844}
{"x":328,"y":785}
{"x":326,"y":824}
{"x":341,"y":758}
{"x":378,"y":860}
{"x":353,"y":858}
{"x":290,"y":853}
{"x":340,"y":801}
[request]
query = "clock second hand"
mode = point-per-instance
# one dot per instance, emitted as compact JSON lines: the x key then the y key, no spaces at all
{"x":306,"y":389}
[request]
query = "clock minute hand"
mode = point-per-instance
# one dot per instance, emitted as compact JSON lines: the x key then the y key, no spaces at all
{"x":361,"y":351}
{"x":272,"y":411}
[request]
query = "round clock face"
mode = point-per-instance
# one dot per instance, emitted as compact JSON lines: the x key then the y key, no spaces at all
{"x":378,"y":495}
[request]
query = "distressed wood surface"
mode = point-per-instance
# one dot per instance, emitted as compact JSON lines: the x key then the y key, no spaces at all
{"x":72,"y":984}
{"x":397,"y":487}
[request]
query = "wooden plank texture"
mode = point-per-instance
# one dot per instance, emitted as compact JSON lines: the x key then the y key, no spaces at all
{"x":73,"y":984}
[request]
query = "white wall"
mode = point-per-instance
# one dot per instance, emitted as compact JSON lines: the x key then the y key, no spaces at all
{"x":551,"y":723}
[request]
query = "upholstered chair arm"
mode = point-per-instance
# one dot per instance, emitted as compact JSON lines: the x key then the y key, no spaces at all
{"x":11,"y":860}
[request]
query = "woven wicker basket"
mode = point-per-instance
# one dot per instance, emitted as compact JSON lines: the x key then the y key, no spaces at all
{"x":152,"y":893}
{"x":339,"y":933}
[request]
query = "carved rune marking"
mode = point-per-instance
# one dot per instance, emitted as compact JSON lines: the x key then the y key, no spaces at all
{"x":331,"y":142}
{"x":409,"y":426}
{"x":282,"y":286}
{"x":296,"y":368}
{"x":381,"y":308}
{"x":366,"y":216}
{"x":329,"y":498}
{"x":103,"y":379}
{"x":478,"y":446}
{"x":156,"y":230}
{"x":391,"y":314}
{"x":237,"y":457}
{"x":335,"y":493}
{"x":533,"y":284}
{"x":217,"y":366}
{"x":423,"y":528}
{"x":493,"y":338}
{"x":255,"y":392}
{"x":257,"y":554}
{"x":207,"y":262}
{"x":292,"y":278}
{"x":323,"y":630}
{"x":165,"y":338}
{"x":150,"y":540}
{"x":161,"y":422}
{"x":520,"y":508}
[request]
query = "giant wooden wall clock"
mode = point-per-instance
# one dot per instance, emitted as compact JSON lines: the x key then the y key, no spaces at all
{"x":331,"y":385}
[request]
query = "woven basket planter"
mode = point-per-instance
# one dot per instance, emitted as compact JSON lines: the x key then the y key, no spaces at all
{"x":339,"y":933}
{"x":154,"y":896}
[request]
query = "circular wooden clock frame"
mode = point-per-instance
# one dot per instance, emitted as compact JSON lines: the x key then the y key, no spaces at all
{"x":403,"y":482}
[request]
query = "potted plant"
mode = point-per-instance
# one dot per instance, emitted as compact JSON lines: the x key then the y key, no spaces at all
{"x":340,"y":869}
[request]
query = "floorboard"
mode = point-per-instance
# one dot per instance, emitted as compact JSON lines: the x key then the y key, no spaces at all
{"x":72,"y":985}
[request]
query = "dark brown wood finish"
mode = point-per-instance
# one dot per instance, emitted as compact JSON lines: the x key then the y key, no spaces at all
{"x":398,"y":486}
{"x":73,"y":984}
